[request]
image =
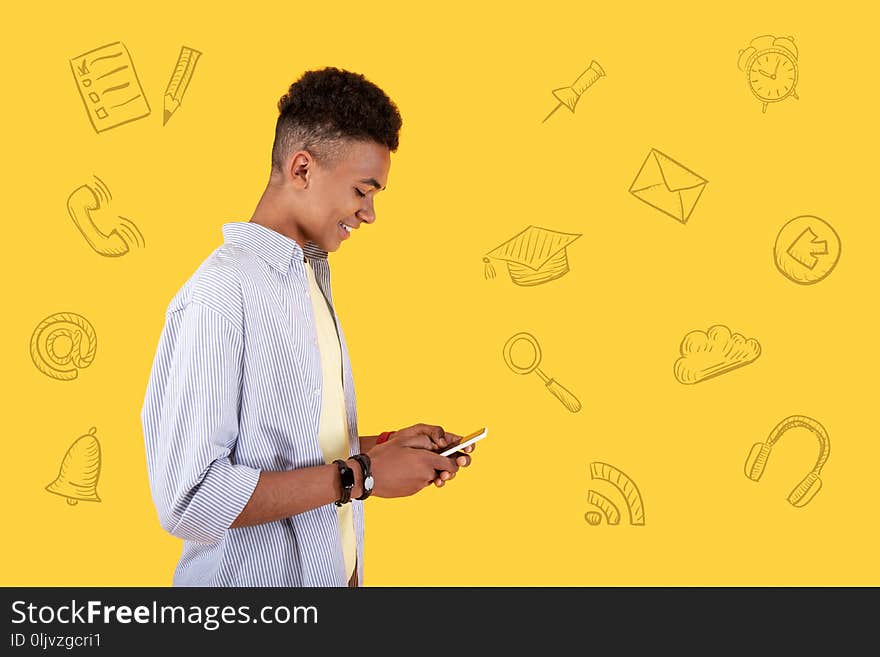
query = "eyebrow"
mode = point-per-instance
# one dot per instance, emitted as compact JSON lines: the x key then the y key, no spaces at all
{"x":371,"y":181}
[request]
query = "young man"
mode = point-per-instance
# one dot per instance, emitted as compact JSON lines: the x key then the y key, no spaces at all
{"x":249,"y":419}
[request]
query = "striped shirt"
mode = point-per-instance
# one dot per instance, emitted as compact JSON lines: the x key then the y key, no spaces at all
{"x":235,"y":388}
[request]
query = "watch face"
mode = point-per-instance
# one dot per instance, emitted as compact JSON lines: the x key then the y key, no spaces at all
{"x":772,"y":75}
{"x":368,"y":483}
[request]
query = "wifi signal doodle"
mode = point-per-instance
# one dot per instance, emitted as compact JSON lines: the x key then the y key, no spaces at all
{"x":77,"y":478}
{"x":626,"y":487}
{"x":117,"y":237}
{"x":62,"y":344}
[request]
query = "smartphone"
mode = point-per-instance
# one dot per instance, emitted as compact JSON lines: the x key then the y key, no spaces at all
{"x":470,"y":439}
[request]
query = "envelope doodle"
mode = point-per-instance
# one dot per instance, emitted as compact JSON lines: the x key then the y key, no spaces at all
{"x":668,"y":186}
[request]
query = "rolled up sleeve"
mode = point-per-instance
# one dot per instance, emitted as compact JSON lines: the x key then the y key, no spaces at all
{"x":190,"y":420}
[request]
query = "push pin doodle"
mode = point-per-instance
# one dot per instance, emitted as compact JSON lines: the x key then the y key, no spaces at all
{"x":77,"y":478}
{"x":569,"y":96}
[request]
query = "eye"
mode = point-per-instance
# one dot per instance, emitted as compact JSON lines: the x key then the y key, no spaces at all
{"x":359,"y":192}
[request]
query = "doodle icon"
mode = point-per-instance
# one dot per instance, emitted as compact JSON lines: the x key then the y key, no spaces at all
{"x":109,"y":86}
{"x":607,"y":509}
{"x":534,"y":256}
{"x":119,"y":236}
{"x":77,"y":478}
{"x":806,"y":250}
{"x":668,"y":186}
{"x":530,"y":365}
{"x":62,"y":344}
{"x":806,"y":490}
{"x":569,"y":96}
{"x":707,"y":354}
{"x":179,"y":82}
{"x":770,"y":64}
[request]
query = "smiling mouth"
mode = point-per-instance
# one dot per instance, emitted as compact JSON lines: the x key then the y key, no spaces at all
{"x":345,"y":230}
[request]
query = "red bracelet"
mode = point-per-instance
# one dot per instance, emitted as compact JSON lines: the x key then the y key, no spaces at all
{"x":383,"y":437}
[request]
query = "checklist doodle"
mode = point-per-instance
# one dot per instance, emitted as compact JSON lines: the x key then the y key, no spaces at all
{"x":533,"y":256}
{"x":109,"y":86}
{"x":62,"y":344}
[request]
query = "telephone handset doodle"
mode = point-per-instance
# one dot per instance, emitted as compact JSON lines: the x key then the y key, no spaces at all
{"x":86,"y":199}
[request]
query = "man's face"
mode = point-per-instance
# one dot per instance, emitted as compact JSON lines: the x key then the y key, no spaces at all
{"x":343,"y":195}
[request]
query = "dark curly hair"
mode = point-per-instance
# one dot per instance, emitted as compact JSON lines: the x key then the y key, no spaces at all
{"x":326,"y":108}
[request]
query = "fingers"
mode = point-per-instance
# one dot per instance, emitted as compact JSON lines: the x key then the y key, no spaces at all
{"x":436,"y":434}
{"x":452,"y":438}
{"x":417,"y":440}
{"x":443,"y":463}
{"x":443,"y":478}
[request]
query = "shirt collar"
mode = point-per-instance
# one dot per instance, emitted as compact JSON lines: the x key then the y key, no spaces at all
{"x":273,"y":247}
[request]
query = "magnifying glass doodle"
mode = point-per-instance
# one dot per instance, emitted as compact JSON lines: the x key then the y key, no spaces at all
{"x":559,"y":391}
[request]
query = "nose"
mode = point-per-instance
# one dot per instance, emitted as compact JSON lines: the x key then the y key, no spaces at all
{"x":366,"y":213}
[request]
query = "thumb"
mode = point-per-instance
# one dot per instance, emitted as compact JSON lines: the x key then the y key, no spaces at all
{"x":444,"y":463}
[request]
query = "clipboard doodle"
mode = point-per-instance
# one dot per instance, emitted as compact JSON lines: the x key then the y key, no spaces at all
{"x":109,"y":86}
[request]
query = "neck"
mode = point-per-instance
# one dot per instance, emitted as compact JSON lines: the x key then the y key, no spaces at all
{"x":272,"y":214}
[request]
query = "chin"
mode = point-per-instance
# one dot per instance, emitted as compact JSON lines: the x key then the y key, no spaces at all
{"x":326,"y":245}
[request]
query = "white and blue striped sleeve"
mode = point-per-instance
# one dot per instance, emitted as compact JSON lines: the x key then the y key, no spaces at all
{"x":191,"y":425}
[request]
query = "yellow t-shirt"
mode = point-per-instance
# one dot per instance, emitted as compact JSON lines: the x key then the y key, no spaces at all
{"x":333,"y":428}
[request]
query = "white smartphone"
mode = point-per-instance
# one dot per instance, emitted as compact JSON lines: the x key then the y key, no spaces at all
{"x":470,"y":439}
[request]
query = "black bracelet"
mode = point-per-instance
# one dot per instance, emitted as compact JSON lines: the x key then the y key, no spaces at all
{"x":364,"y":460}
{"x":346,"y":474}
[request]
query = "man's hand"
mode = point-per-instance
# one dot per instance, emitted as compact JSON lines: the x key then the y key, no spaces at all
{"x":406,"y":464}
{"x":439,"y":440}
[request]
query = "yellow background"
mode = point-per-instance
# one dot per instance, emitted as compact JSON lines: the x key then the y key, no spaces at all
{"x":425,"y":329}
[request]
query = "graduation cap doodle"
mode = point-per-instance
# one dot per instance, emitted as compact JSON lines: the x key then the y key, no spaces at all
{"x":534,"y":256}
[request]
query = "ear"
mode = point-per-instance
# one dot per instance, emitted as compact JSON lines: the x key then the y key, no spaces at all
{"x":299,"y":169}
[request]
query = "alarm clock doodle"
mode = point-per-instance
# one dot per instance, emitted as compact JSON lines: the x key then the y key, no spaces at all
{"x":771,"y":67}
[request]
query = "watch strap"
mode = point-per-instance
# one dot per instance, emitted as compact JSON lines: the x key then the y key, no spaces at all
{"x":366,"y":466}
{"x":346,"y":475}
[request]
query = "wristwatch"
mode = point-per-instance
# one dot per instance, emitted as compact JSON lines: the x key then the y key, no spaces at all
{"x":347,"y":476}
{"x":364,"y":460}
